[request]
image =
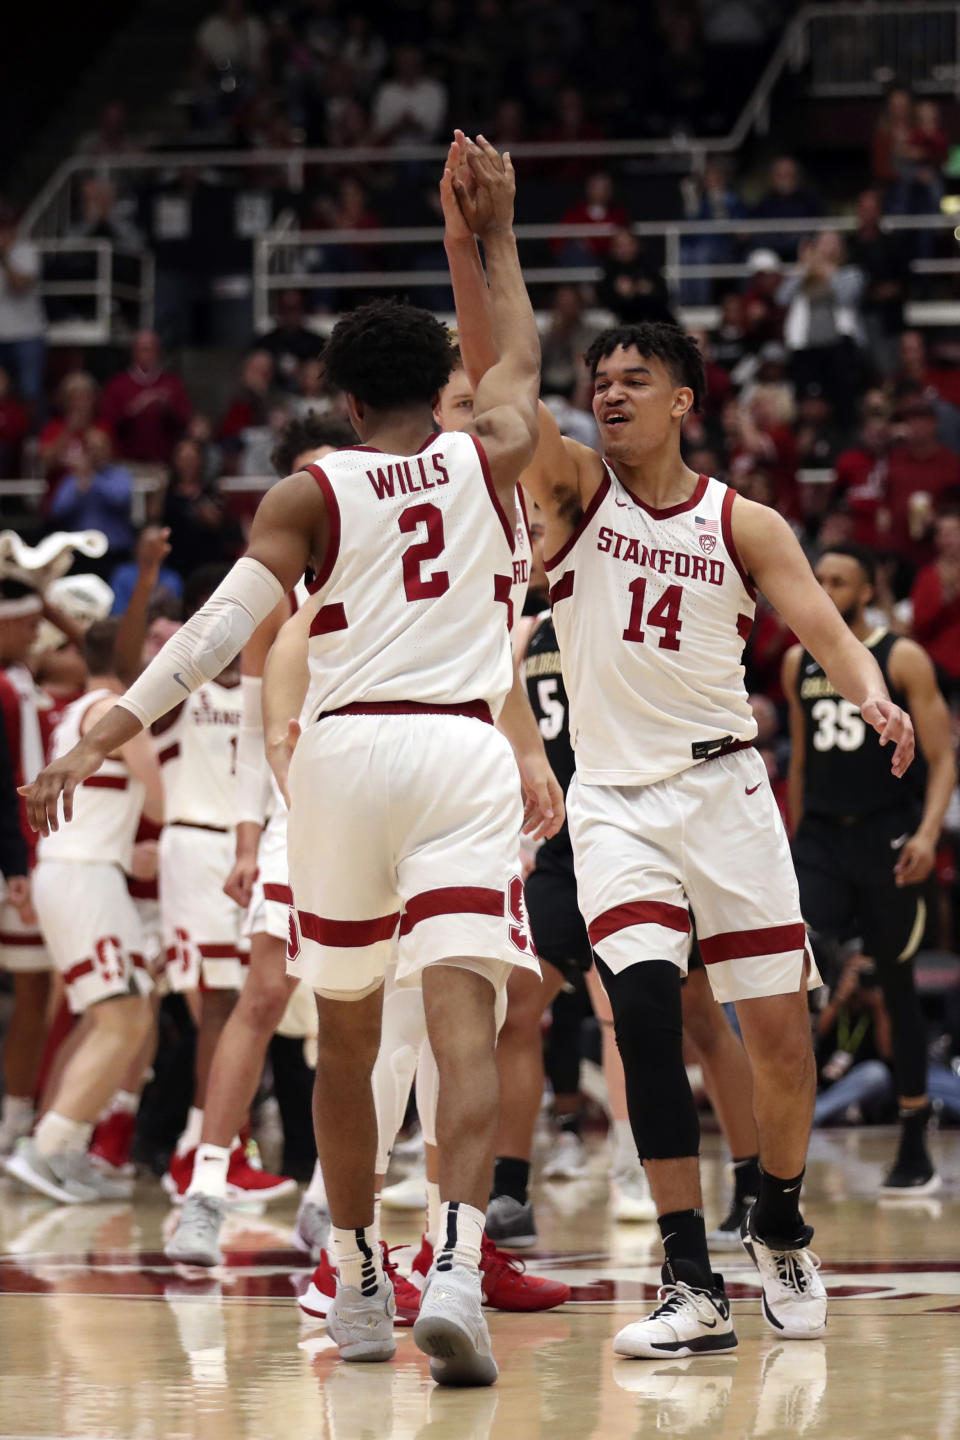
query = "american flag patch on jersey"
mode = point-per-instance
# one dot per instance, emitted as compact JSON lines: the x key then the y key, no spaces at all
{"x":708,"y":527}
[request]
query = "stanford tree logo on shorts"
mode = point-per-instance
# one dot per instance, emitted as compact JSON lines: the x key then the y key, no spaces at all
{"x":293,"y":939}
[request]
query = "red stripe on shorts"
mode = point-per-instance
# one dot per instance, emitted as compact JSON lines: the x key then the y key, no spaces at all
{"x":13,"y":937}
{"x":638,"y":912}
{"x":106,"y":782}
{"x":281,"y":893}
{"x":347,"y":934}
{"x":77,"y":972}
{"x":219,"y":952}
{"x":741,"y":944}
{"x":170,"y":752}
{"x":452,"y":900}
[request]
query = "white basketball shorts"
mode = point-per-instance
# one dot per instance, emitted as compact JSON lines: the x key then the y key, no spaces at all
{"x":710,"y":840}
{"x":22,"y":946}
{"x":93,"y":930}
{"x":202,"y":927}
{"x":403,"y":840}
{"x":269,"y":909}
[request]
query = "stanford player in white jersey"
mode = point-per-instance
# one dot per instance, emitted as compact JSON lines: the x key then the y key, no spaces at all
{"x":405,"y":799}
{"x":93,"y":930}
{"x":653,"y":572}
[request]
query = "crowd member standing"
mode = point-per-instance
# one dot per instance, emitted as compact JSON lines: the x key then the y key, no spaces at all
{"x":202,"y":926}
{"x":146,"y":407}
{"x":653,"y":574}
{"x":863,"y":843}
{"x":93,"y":930}
{"x":406,"y":822}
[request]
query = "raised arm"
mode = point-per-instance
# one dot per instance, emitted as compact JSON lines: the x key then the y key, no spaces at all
{"x":290,"y":519}
{"x":770,"y":553}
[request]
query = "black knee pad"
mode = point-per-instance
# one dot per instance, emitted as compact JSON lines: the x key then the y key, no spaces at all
{"x":646,"y":1000}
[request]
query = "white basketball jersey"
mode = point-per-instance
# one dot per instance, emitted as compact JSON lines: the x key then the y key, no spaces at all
{"x":652,"y":609}
{"x":198,"y":758}
{"x":417,"y":584}
{"x":106,"y":807}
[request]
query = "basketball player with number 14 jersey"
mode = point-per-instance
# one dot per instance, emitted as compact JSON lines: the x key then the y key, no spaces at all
{"x":653,"y":573}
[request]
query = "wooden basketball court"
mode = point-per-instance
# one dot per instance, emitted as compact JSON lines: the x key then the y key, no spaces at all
{"x":101,"y":1337}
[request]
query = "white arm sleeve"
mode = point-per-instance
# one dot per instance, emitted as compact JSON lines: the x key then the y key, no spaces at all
{"x":207,"y":643}
{"x":253,"y":772}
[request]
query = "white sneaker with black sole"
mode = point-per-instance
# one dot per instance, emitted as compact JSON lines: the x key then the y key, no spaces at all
{"x":686,"y":1321}
{"x":794,"y":1298}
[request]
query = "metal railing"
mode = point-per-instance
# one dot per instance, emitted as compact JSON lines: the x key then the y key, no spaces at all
{"x":861,"y":50}
{"x":281,"y":261}
{"x":98,"y":302}
{"x":53,"y":210}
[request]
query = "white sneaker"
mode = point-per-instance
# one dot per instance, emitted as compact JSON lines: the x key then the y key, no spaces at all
{"x":362,"y":1325}
{"x":409,"y":1194}
{"x":686,"y":1321}
{"x":794,"y":1299}
{"x":568,"y":1158}
{"x":452,"y":1330}
{"x":311,"y":1231}
{"x":630,"y":1200}
{"x":62,"y":1177}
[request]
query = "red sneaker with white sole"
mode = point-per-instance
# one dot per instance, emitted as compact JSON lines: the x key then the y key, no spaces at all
{"x":316,"y":1300}
{"x":112,"y":1142}
{"x":176,"y":1181}
{"x":504,"y":1280}
{"x":247,"y":1181}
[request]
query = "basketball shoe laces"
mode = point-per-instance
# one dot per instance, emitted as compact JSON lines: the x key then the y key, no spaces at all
{"x":677,"y":1297}
{"x":793,"y":1269}
{"x":494,"y":1262}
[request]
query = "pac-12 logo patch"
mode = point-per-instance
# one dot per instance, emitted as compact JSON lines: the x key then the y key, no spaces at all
{"x":708,"y":543}
{"x":707,"y":531}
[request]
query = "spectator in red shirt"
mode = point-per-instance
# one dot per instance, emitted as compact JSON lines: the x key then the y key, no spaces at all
{"x":146,"y":407}
{"x":14,"y":424}
{"x":921,"y":475}
{"x":63,"y":439}
{"x":861,"y":481}
{"x":596,"y":208}
{"x":249,"y":407}
{"x":936,"y":603}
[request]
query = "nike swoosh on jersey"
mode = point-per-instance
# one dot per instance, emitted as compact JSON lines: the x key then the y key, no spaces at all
{"x":752,"y":789}
{"x":809,"y":669}
{"x":899,"y":843}
{"x":180,"y":681}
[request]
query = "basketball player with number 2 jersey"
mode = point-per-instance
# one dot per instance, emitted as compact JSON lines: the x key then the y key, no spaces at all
{"x":654,"y":572}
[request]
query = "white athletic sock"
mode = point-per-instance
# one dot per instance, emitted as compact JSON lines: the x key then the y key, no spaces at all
{"x":316,"y":1191}
{"x":460,"y":1236}
{"x":377,"y":1205}
{"x":18,"y":1110}
{"x":55,"y":1133}
{"x":624,"y":1145}
{"x":192,"y":1131}
{"x":125,"y":1102}
{"x":357,"y":1253}
{"x":433,"y":1212}
{"x":210,"y":1171}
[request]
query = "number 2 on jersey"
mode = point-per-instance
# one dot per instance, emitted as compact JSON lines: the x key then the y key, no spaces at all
{"x":415,"y":586}
{"x":664,"y":615}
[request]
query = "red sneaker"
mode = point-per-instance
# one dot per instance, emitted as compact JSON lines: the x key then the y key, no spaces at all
{"x":113,"y":1140}
{"x":406,"y":1294}
{"x":318,"y":1296}
{"x":179,"y":1174}
{"x":507,"y":1286}
{"x":247,"y":1181}
{"x":421,"y":1265}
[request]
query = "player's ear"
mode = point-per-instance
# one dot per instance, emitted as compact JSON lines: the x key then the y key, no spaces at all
{"x":682,"y":401}
{"x":355,"y":410}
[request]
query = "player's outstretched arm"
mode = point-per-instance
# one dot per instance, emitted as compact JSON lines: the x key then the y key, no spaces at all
{"x":771,"y":554}
{"x":288,"y":517}
{"x":911,"y":671}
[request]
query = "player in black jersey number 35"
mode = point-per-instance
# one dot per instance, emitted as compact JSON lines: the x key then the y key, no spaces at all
{"x":863,"y":841}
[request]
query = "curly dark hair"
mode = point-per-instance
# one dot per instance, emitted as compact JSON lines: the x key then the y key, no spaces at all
{"x":309,"y":432}
{"x":678,"y":351}
{"x":865,"y":558}
{"x":389,"y":355}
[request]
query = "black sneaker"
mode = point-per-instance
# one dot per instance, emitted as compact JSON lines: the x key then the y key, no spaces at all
{"x":911,"y":1177}
{"x":727,"y":1234}
{"x":510,"y":1224}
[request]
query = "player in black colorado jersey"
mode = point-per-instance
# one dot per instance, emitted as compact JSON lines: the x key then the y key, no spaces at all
{"x":864,"y":841}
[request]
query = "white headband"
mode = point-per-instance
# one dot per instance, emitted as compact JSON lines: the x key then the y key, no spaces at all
{"x":25,"y":605}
